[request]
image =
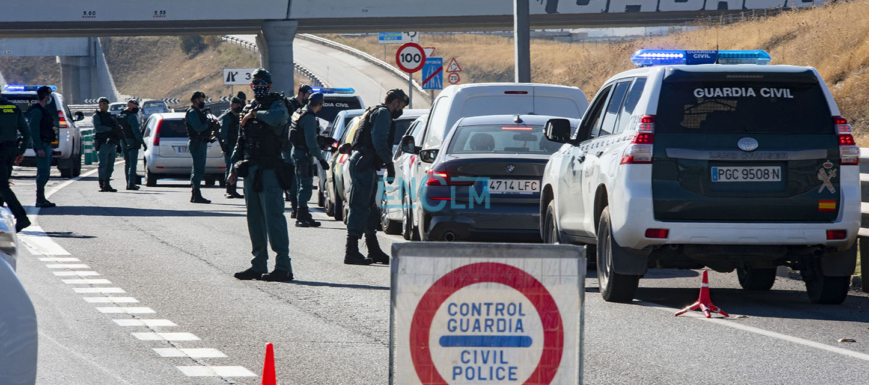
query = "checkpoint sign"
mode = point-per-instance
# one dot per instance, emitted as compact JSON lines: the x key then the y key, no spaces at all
{"x":494,"y":314}
{"x":410,"y":57}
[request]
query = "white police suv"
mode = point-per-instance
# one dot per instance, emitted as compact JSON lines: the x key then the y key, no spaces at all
{"x":708,"y":158}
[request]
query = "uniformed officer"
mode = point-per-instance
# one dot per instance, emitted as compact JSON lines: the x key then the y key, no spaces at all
{"x":132,"y":141}
{"x":228,"y":137}
{"x":42,"y":132}
{"x":372,"y":150}
{"x":295,"y":103}
{"x":12,"y":123}
{"x":108,"y":134}
{"x":257,"y":158}
{"x":200,"y":133}
{"x":303,"y":135}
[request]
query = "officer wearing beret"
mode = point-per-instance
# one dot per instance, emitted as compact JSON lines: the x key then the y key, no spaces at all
{"x":108,"y":134}
{"x":228,"y":137}
{"x":303,"y":135}
{"x":12,"y":123}
{"x":199,"y":133}
{"x":132,"y":141}
{"x":257,"y":158}
{"x":372,"y":151}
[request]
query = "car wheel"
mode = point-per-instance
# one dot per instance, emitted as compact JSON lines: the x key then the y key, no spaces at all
{"x":76,"y":165}
{"x":406,"y":230}
{"x":221,"y":181}
{"x":321,"y":199}
{"x":339,"y":208}
{"x":330,"y":208}
{"x":346,"y":212}
{"x":824,"y":289}
{"x":150,"y":178}
{"x":550,"y":230}
{"x":209,"y":180}
{"x":66,"y":172}
{"x":614,"y":287}
{"x":389,"y":226}
{"x":755,"y":279}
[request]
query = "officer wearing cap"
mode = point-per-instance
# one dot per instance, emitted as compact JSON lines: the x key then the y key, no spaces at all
{"x":199,"y":134}
{"x":303,"y":135}
{"x":132,"y":141}
{"x":12,"y":123}
{"x":42,"y":132}
{"x":372,"y":150}
{"x":295,"y":103}
{"x":257,"y":158}
{"x":108,"y":134}
{"x":228,"y":137}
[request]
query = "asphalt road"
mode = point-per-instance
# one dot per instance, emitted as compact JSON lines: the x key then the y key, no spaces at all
{"x":330,"y":326}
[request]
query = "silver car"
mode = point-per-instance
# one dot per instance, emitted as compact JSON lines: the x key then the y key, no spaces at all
{"x":167,"y":155}
{"x":395,"y":202}
{"x":150,"y":107}
{"x":18,"y":327}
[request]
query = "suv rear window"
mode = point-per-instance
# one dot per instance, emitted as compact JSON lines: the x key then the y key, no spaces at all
{"x":749,"y":103}
{"x":332,"y":105}
{"x":22,"y":101}
{"x":173,"y":128}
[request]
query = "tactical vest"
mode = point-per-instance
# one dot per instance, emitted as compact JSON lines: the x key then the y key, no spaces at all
{"x":108,"y":120}
{"x":9,"y":118}
{"x":297,"y":136}
{"x":127,"y":129}
{"x":192,"y":133}
{"x":362,"y":139}
{"x":46,"y":124}
{"x":294,"y":105}
{"x":261,"y":143}
{"x":232,"y":130}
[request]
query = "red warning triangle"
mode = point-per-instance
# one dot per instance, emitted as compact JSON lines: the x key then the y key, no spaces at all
{"x":454,"y":66}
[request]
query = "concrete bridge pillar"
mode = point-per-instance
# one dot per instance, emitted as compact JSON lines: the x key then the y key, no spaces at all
{"x":76,"y":74}
{"x":276,"y":50}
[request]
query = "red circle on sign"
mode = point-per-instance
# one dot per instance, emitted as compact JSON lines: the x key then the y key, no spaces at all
{"x":454,"y":77}
{"x":530,"y":287}
{"x":408,"y":49}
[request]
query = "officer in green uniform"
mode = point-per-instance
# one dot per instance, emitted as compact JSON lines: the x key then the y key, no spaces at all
{"x":43,"y":134}
{"x":257,"y":158}
{"x":108,"y":134}
{"x":12,"y":123}
{"x":295,"y":103}
{"x":372,"y":150}
{"x":303,"y":135}
{"x":228,"y":137}
{"x":132,"y":141}
{"x":200,"y":132}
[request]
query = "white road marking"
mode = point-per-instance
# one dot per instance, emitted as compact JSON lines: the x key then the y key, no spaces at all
{"x":166,"y":336}
{"x":784,"y":337}
{"x":127,"y":310}
{"x":144,"y":322}
{"x":111,"y":300}
{"x":94,"y":290}
{"x":61,"y":259}
{"x":76,"y":273}
{"x":192,"y":353}
{"x":87,"y":281}
{"x":68,"y":266}
{"x":39,"y":243}
{"x":214,"y":371}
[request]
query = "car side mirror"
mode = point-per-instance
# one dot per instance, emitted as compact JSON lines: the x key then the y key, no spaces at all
{"x":345,"y":148}
{"x":78,"y":116}
{"x":428,"y":156}
{"x":557,"y":130}
{"x":327,"y":143}
{"x":408,"y":145}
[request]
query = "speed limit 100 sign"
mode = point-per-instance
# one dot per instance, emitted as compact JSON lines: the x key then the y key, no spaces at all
{"x":410,"y":57}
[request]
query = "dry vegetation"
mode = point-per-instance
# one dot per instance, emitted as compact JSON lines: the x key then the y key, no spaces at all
{"x":30,"y":70}
{"x":831,"y":38}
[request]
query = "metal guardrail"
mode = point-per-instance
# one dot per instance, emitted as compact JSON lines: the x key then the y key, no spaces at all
{"x":301,"y":69}
{"x":863,"y":233}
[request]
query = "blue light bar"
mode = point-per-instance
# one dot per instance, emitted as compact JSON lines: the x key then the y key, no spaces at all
{"x":333,"y":90}
{"x":13,"y":88}
{"x":655,"y":57}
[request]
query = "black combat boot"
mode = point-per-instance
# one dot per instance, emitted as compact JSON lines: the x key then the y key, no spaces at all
{"x":196,"y":197}
{"x":374,"y":252}
{"x":352,"y":256}
{"x":41,"y":201}
{"x":107,"y":186}
{"x":304,"y":219}
{"x":278,"y":276}
{"x":21,"y":223}
{"x":231,"y":192}
{"x":247,"y":275}
{"x":102,"y":182}
{"x":295,"y":212}
{"x":131,"y":185}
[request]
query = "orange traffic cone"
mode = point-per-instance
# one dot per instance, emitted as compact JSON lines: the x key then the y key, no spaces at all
{"x":269,"y":367}
{"x":704,"y":303}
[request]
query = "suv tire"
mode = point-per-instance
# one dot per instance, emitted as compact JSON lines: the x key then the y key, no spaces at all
{"x":409,"y":231}
{"x":389,"y":226}
{"x":150,"y":178}
{"x":339,"y":208}
{"x":755,"y":279}
{"x":614,"y":287}
{"x":76,"y":165}
{"x":550,"y":230}
{"x":321,"y":199}
{"x":828,"y":290}
{"x":65,"y":172}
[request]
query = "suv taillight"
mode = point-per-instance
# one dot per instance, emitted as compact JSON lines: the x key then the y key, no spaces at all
{"x":62,"y":120}
{"x":640,"y":149}
{"x":849,"y":152}
{"x":157,"y":133}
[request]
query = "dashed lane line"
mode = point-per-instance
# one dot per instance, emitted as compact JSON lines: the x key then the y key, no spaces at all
{"x":145,"y":322}
{"x":103,"y":290}
{"x":192,"y":353}
{"x":126,"y":310}
{"x":59,"y":259}
{"x":111,"y":300}
{"x":67,"y":266}
{"x":151,"y":336}
{"x":210,"y":371}
{"x":87,"y":281}
{"x":76,"y":273}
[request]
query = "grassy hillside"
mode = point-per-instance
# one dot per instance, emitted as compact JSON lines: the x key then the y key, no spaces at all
{"x":831,"y":38}
{"x":30,"y":70}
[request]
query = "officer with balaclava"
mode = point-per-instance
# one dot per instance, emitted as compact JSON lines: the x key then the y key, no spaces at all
{"x":303,"y":135}
{"x":43,"y":134}
{"x":132,"y":141}
{"x":296,"y":102}
{"x":228,"y":137}
{"x":257,"y":158}
{"x":372,"y":150}
{"x":108,"y":134}
{"x":12,"y":123}
{"x":199,"y":135}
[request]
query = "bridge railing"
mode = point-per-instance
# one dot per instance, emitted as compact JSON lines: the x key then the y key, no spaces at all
{"x":317,"y":81}
{"x":863,"y":233}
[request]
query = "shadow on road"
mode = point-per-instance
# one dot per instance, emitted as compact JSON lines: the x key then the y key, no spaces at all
{"x":101,"y":211}
{"x":67,"y":234}
{"x":338,"y":285}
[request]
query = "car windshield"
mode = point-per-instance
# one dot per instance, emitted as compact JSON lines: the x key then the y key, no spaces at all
{"x":117,"y":107}
{"x":173,"y":128}
{"x":401,"y":129}
{"x":501,"y":139}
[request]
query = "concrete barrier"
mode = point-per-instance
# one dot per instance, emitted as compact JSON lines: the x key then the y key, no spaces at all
{"x":863,"y":234}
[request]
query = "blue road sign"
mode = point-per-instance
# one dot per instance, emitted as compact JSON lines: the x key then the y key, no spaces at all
{"x":389,"y":37}
{"x":433,"y":74}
